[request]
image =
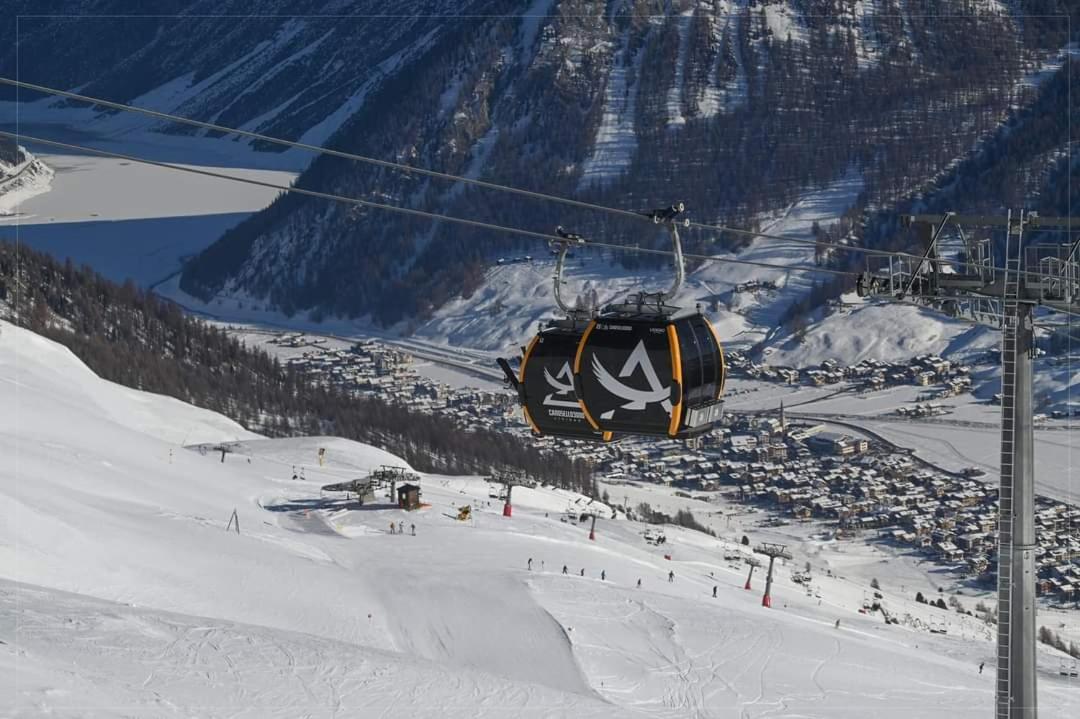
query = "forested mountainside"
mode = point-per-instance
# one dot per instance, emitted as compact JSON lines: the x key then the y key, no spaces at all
{"x":732,"y":106}
{"x":129,"y":336}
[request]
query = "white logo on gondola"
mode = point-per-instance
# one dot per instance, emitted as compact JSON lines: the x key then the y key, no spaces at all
{"x":565,"y":388}
{"x":637,"y":399}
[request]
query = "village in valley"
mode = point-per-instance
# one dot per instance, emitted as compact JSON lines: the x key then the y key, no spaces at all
{"x":795,"y":470}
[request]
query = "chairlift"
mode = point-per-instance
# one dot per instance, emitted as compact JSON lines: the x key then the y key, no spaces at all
{"x":640,"y":367}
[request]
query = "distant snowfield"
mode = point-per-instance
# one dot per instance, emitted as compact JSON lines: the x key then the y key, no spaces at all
{"x":122,"y":594}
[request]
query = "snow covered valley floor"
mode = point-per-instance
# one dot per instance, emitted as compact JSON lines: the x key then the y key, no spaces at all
{"x":121,"y":593}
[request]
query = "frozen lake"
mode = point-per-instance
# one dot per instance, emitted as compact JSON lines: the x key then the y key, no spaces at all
{"x":129,"y":220}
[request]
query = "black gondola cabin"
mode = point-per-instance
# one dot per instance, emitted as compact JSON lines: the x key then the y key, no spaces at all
{"x":549,"y":402}
{"x":649,"y":374}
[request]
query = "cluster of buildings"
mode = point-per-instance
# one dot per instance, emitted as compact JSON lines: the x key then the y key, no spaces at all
{"x":372,"y":369}
{"x":804,"y":472}
{"x":798,"y":470}
{"x":869,"y":374}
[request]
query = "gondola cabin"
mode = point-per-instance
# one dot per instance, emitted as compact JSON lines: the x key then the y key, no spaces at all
{"x":650,"y":374}
{"x":547,"y":384}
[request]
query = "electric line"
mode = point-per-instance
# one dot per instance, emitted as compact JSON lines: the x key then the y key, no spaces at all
{"x":412,"y":169}
{"x":409,"y":211}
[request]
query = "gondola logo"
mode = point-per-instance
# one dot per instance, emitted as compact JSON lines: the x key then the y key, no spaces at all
{"x":637,"y":399}
{"x":562,"y":383}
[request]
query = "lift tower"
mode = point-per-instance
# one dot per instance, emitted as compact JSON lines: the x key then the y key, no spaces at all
{"x":772,"y":551}
{"x":998,"y":283}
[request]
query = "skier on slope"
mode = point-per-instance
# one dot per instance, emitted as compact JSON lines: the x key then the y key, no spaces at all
{"x":981,"y":665}
{"x":639,"y":584}
{"x":530,"y":564}
{"x":714,"y":591}
{"x":564,"y":569}
{"x":392,"y":528}
{"x":603,"y":575}
{"x":671,"y":576}
{"x":413,"y":530}
{"x":583,"y":571}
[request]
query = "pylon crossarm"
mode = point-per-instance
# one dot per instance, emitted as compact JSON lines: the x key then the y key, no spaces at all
{"x":928,"y":254}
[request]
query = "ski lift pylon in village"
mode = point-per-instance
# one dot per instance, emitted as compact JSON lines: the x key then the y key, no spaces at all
{"x":641,"y":367}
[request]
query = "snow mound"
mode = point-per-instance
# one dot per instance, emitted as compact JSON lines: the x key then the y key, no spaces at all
{"x":867,"y":330}
{"x":34,"y":366}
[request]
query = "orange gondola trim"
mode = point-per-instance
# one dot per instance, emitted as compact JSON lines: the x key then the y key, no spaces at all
{"x":676,"y":373}
{"x":521,"y":379}
{"x":577,"y":369}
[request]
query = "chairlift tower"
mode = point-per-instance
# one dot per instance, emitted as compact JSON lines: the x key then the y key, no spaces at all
{"x":772,"y":551}
{"x":973,"y":287}
{"x":509,"y":479}
{"x":754,"y":563}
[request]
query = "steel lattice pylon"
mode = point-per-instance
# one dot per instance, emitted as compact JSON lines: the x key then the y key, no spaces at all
{"x":1046,"y":275}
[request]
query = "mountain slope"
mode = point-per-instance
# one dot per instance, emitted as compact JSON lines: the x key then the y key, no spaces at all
{"x":736,"y":107}
{"x":607,"y":106}
{"x":121,"y":594}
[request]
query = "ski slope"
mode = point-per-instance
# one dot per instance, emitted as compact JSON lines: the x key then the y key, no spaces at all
{"x":121,"y":593}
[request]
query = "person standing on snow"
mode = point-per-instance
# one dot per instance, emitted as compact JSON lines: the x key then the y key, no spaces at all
{"x":583,"y":571}
{"x":671,"y":576}
{"x":413,"y":529}
{"x":981,"y":665}
{"x":714,"y":591}
{"x":564,"y":569}
{"x":392,"y":528}
{"x":530,"y":564}
{"x":603,"y":575}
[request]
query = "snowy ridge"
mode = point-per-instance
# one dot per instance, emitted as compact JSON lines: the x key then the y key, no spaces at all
{"x":21,"y":181}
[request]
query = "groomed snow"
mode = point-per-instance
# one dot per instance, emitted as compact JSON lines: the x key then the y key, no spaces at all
{"x":122,"y":594}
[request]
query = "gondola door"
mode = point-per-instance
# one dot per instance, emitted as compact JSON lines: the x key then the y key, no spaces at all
{"x":628,"y":376}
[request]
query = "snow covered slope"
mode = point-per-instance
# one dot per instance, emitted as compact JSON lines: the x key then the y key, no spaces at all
{"x":122,"y":594}
{"x":22,"y":178}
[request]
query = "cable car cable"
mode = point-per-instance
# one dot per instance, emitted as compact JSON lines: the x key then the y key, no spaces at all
{"x":435,"y":173}
{"x":416,"y":213}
